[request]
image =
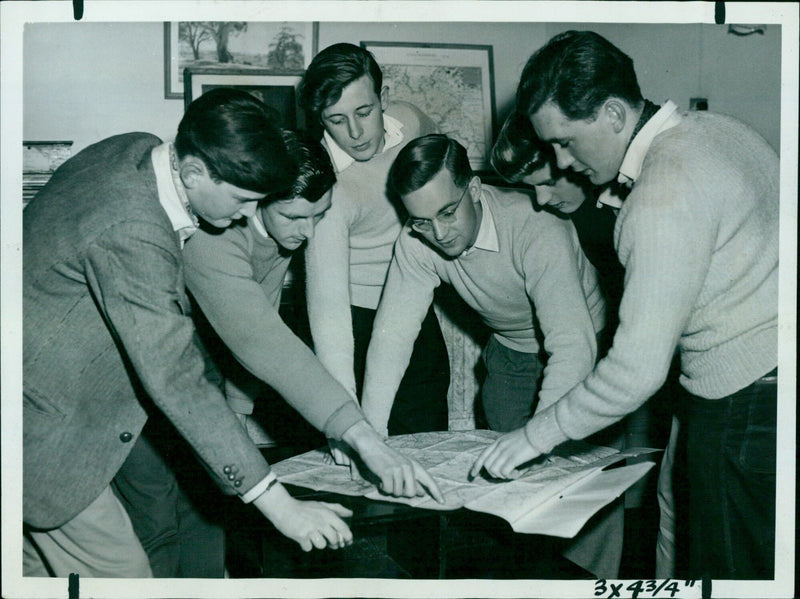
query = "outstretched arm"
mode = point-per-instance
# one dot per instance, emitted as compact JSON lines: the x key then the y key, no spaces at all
{"x":555,"y":272}
{"x":220,"y":274}
{"x":406,"y":297}
{"x":328,"y":295}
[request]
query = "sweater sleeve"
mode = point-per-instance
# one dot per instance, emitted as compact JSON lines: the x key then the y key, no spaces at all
{"x":220,"y":276}
{"x":407,"y":295}
{"x":553,"y":282}
{"x":665,"y":244}
{"x":328,"y":294}
{"x":137,"y":283}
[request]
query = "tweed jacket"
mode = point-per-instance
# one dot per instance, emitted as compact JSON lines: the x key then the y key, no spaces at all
{"x":106,"y":334}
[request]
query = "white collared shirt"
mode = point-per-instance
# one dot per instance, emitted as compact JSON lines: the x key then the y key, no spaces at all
{"x":608,"y":198}
{"x":392,"y":136}
{"x":631,"y":165}
{"x":487,"y":233}
{"x":172,"y":195}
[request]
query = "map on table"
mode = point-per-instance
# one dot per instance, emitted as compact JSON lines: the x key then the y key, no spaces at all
{"x":555,"y":495}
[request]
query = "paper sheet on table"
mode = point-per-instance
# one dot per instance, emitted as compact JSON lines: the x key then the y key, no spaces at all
{"x":568,"y":485}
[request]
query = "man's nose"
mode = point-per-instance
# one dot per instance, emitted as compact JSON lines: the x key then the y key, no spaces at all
{"x":307,"y":228}
{"x":355,"y":129}
{"x":543,"y":195}
{"x":438,"y":230}
{"x":563,"y":158}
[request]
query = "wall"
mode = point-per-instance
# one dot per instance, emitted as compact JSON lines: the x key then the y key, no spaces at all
{"x":739,"y":76}
{"x":86,"y":81}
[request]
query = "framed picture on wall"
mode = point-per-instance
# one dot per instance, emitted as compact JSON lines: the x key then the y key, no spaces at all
{"x":279,"y":92}
{"x":451,"y":83}
{"x":276,"y":47}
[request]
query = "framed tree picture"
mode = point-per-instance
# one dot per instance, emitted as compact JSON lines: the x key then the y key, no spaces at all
{"x":278,"y":48}
{"x":451,"y":83}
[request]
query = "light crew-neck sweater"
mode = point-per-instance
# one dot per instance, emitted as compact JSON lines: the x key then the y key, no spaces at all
{"x":698,"y":237}
{"x":349,"y":255}
{"x":534,"y":283}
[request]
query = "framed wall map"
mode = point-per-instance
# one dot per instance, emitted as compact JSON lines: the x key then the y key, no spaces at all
{"x":451,"y":83}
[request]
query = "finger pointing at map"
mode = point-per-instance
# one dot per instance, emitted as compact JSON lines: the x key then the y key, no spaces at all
{"x":503,"y":456}
{"x":399,"y":475}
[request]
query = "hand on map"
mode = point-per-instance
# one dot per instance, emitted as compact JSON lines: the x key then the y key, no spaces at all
{"x":311,"y":524}
{"x":338,"y":453}
{"x":399,"y":475}
{"x":503,"y":456}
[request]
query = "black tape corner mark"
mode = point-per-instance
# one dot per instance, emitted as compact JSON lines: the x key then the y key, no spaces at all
{"x":719,"y":13}
{"x":705,"y":589}
{"x":77,"y":9}
{"x":73,"y":588}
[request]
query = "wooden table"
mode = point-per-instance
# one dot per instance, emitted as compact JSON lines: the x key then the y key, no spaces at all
{"x":393,"y":540}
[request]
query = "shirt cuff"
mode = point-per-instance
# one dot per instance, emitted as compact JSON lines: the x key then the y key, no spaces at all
{"x":268,"y":481}
{"x":348,"y":414}
{"x":543,"y":432}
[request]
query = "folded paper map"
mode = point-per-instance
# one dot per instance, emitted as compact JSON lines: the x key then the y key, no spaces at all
{"x":555,"y":495}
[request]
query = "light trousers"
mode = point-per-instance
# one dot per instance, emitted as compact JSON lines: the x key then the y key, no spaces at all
{"x":97,"y":543}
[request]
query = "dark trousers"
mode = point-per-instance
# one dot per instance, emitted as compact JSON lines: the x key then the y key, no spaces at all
{"x":730,"y":461}
{"x":509,"y":397}
{"x":421,"y":401}
{"x":171,"y":500}
{"x":512,"y":383}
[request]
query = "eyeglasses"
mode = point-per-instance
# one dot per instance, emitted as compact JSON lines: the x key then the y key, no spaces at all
{"x":425,"y":225}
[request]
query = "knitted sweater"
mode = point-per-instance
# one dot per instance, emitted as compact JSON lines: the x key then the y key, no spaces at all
{"x":349,"y":255}
{"x":698,"y":237}
{"x":528,"y":280}
{"x":236,"y":277}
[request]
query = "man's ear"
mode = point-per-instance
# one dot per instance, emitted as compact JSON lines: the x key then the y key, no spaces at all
{"x":192,"y":171}
{"x":475,"y":185}
{"x":617,"y":112}
{"x":384,"y":96}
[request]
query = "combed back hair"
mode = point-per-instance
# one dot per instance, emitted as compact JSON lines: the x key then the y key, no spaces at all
{"x":518,"y":151}
{"x":578,"y":71}
{"x":239,"y":142}
{"x":333,"y":69}
{"x":315,"y":174}
{"x":423,"y":158}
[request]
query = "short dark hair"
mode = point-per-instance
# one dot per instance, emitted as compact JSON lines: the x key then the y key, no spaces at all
{"x":239,"y":142}
{"x":518,"y":151}
{"x":423,"y":158}
{"x":315,"y":175}
{"x":577,"y":71}
{"x":333,"y":69}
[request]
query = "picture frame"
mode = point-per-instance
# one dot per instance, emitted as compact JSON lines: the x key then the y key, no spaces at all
{"x":455,"y":88}
{"x":279,"y":47}
{"x":278,"y":91}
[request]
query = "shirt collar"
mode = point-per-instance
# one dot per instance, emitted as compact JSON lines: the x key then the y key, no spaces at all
{"x":258,"y":223}
{"x":171,"y":193}
{"x":487,"y":233}
{"x":608,"y":197}
{"x":392,"y":136}
{"x":631,"y":165}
